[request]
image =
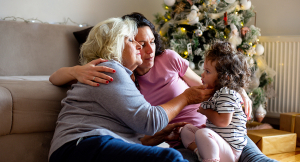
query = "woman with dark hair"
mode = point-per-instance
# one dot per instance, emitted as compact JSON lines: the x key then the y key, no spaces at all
{"x":162,"y":76}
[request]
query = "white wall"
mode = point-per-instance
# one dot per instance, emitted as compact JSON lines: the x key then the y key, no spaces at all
{"x":277,"y":17}
{"x":80,"y":11}
{"x":274,"y":17}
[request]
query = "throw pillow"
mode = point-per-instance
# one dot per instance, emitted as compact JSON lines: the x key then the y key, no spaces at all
{"x":82,"y":35}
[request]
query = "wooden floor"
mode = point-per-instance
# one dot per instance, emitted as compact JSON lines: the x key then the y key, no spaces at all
{"x":287,"y":157}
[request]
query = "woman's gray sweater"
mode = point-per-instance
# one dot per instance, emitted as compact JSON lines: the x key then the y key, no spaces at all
{"x":117,"y":109}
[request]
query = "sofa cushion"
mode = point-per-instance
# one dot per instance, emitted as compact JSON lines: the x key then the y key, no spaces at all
{"x":31,"y":147}
{"x":36,"y":105}
{"x":36,"y":49}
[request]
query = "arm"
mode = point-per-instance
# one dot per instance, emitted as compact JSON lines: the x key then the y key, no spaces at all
{"x":84,"y":74}
{"x":170,"y":133}
{"x":191,"y":95}
{"x":247,"y":103}
{"x":218,"y":119}
{"x":125,"y":103}
{"x":191,"y":78}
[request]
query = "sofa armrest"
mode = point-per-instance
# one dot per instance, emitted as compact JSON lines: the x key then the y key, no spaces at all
{"x":29,"y":106}
{"x":5,"y":111}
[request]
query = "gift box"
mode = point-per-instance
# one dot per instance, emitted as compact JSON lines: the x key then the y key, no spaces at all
{"x":273,"y":141}
{"x":287,"y":121}
{"x":297,"y":129}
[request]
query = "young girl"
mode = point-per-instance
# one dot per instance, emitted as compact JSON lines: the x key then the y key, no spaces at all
{"x":223,"y":139}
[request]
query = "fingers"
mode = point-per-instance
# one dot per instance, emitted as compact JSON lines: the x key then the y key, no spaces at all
{"x":204,"y":86}
{"x":101,"y":78}
{"x":105,"y":69}
{"x":88,"y":82}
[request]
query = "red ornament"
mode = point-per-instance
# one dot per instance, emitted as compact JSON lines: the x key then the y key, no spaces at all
{"x":225,"y":18}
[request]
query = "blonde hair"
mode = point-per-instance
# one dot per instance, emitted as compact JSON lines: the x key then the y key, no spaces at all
{"x":106,"y":40}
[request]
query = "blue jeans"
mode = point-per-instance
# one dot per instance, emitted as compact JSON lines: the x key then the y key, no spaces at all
{"x":109,"y":149}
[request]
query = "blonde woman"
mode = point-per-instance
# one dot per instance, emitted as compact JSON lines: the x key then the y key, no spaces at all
{"x":108,"y":122}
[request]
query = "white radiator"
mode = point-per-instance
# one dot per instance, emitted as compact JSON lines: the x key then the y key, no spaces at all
{"x":282,"y":54}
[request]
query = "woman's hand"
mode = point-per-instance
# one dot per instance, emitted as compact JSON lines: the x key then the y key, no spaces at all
{"x":198,"y":94}
{"x":91,"y":74}
{"x":170,"y":133}
{"x":247,"y":103}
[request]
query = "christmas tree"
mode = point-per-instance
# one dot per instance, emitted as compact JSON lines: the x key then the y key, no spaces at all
{"x":189,"y":26}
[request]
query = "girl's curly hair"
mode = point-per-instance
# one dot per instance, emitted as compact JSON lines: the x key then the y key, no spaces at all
{"x":231,"y":65}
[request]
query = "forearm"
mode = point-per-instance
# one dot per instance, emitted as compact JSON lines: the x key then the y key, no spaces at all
{"x":62,"y":76}
{"x":174,"y":106}
{"x":152,"y":140}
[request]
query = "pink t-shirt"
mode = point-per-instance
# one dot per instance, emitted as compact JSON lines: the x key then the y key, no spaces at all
{"x":163,"y":82}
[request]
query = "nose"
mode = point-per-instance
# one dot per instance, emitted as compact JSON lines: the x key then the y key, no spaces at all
{"x":138,"y":46}
{"x":148,"y":49}
{"x":202,"y":75}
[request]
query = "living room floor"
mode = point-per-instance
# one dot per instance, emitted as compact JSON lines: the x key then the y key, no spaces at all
{"x":287,"y":157}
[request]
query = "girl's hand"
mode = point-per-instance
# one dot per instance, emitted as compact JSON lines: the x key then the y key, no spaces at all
{"x":247,"y":103}
{"x":91,"y":74}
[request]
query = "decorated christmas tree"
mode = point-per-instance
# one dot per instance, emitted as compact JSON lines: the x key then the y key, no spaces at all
{"x":189,"y":26}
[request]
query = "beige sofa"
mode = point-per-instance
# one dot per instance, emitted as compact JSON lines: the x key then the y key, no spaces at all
{"x":29,"y":103}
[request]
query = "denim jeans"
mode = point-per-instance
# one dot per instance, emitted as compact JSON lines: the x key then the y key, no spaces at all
{"x":109,"y":149}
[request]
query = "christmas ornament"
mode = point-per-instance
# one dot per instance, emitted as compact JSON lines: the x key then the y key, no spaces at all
{"x":259,"y":49}
{"x":193,"y":17}
{"x":225,"y":18}
{"x":169,"y":2}
{"x":234,"y":37}
{"x":192,"y":65}
{"x":190,"y":1}
{"x":229,"y":1}
{"x":198,"y":32}
{"x":244,"y":31}
{"x":179,"y":7}
{"x":260,"y":113}
{"x":245,"y":4}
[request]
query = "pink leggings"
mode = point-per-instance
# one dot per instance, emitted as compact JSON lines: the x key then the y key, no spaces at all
{"x":211,"y":146}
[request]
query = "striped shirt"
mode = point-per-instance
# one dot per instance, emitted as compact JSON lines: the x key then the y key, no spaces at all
{"x":229,"y":101}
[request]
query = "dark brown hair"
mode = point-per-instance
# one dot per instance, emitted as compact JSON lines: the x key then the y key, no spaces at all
{"x":231,"y":65}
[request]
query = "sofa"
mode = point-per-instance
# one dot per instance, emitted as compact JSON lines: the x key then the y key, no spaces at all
{"x":29,"y":103}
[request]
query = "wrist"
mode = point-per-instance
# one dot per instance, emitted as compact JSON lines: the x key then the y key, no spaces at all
{"x":73,"y":71}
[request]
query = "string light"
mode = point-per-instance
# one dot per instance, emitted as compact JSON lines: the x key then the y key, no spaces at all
{"x":35,"y":20}
{"x":166,"y":20}
{"x":166,"y":7}
{"x":182,"y":29}
{"x":257,"y":40}
{"x":242,"y":23}
{"x":210,"y":27}
{"x":186,"y":52}
{"x":160,"y":32}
